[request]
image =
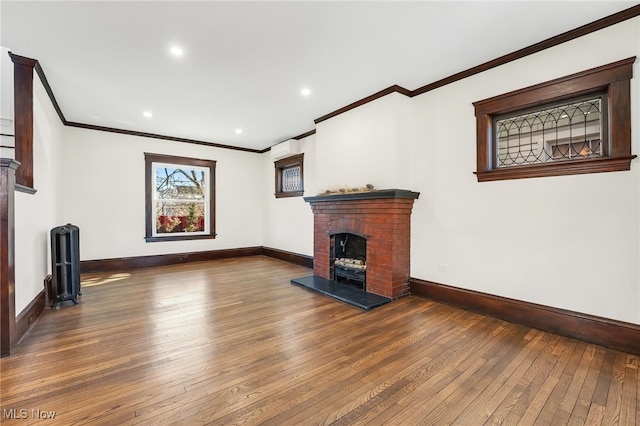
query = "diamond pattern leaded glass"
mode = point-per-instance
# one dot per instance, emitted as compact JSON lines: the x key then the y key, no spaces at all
{"x":291,"y":179}
{"x":566,"y":132}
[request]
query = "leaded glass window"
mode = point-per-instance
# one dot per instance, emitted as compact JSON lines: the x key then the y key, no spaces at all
{"x":289,"y":176}
{"x":570,"y":131}
{"x":291,"y":179}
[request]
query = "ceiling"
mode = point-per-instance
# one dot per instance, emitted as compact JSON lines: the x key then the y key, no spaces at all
{"x":245,"y":63}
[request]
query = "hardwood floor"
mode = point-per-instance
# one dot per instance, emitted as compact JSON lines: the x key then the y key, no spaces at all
{"x":233,"y":342}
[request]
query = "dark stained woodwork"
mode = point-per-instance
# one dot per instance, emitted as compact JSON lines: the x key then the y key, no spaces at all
{"x":614,"y":334}
{"x":612,"y":79}
{"x":232,"y":342}
{"x":298,"y":259}
{"x":283,"y":163}
{"x":126,"y":263}
{"x":29,"y":315}
{"x":150,"y":219}
{"x":7,"y":261}
{"x":47,"y":88}
{"x":592,"y":27}
{"x":371,"y":98}
{"x":575,"y":167}
{"x":157,"y":136}
{"x":23,"y":117}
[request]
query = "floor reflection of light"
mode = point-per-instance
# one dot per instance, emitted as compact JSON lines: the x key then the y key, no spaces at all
{"x":95,"y":281}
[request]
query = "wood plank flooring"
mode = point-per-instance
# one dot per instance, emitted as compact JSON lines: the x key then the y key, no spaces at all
{"x":233,"y":342}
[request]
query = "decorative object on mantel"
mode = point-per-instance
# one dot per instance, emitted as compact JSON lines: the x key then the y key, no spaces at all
{"x":367,"y":188}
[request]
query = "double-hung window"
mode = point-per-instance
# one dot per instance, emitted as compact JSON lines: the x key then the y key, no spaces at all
{"x":179,"y":198}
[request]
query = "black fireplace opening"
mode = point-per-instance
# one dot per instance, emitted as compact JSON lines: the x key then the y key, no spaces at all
{"x":348,"y":260}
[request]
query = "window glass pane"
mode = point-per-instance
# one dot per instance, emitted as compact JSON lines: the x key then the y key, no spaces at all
{"x":179,"y":216}
{"x":565,"y":132}
{"x":180,"y":183}
{"x":291,"y":179}
{"x":180,"y":199}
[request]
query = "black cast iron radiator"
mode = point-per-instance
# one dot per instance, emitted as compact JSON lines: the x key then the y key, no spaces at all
{"x":65,"y":264}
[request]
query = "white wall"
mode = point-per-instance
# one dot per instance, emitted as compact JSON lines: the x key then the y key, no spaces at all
{"x":286,"y":222}
{"x":366,"y":145}
{"x":36,"y":214}
{"x":569,"y":242}
{"x":103,"y":194}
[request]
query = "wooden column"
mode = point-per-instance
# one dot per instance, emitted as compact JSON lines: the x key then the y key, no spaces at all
{"x":23,"y":105}
{"x":7,"y":266}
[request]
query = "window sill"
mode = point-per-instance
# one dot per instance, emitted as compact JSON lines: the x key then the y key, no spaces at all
{"x":575,"y":167}
{"x":289,"y":194}
{"x":180,"y":238}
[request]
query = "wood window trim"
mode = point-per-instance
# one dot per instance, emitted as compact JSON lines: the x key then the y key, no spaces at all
{"x":150,"y":220}
{"x":294,"y":160}
{"x":612,"y":79}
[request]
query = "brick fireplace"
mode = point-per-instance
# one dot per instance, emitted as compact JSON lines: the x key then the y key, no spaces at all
{"x":383,"y":219}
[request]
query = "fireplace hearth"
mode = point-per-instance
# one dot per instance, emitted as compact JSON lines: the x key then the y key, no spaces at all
{"x":364,"y":240}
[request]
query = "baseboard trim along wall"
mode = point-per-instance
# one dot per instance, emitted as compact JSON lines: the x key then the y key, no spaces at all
{"x":29,"y":315}
{"x":123,"y":263}
{"x":614,"y":334}
{"x":298,"y":259}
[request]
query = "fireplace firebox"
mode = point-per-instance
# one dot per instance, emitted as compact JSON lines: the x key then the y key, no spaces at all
{"x":348,"y":261}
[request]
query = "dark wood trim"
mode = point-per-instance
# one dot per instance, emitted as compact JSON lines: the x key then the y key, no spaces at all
{"x":157,"y":136}
{"x":7,"y":262}
{"x":600,"y":24}
{"x":279,"y":165}
{"x":301,"y":136}
{"x":576,"y":167}
{"x":29,"y":315}
{"x":368,"y":195}
{"x":23,"y":118}
{"x":614,"y":334}
{"x":47,"y":88}
{"x":612,"y":79}
{"x":150,"y":219}
{"x":125,"y":263}
{"x":298,"y":259}
{"x":305,"y":134}
{"x":371,"y":98}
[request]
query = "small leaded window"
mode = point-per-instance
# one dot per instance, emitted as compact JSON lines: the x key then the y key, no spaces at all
{"x":292,"y":178}
{"x":570,"y":131}
{"x":580,"y":123}
{"x":289,"y":176}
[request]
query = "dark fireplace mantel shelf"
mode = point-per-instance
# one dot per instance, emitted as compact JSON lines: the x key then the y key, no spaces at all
{"x":366,"y":195}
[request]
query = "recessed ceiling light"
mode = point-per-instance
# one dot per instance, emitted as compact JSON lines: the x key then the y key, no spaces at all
{"x":238,"y":131}
{"x":147,"y":114}
{"x":305,"y":91}
{"x":176,"y":51}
